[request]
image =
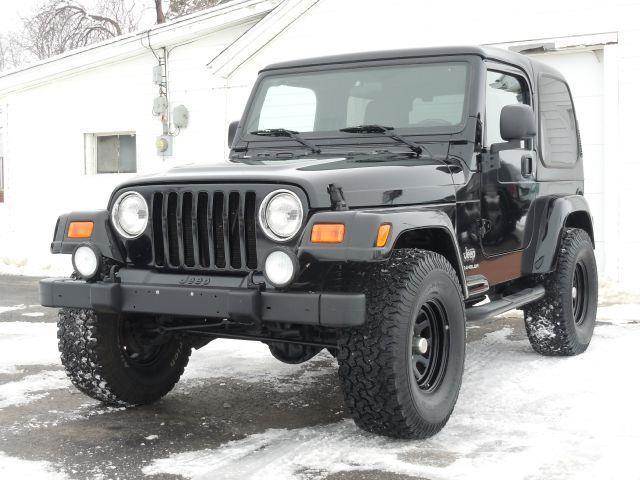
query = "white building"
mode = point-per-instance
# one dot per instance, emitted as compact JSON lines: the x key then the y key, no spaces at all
{"x":67,"y":118}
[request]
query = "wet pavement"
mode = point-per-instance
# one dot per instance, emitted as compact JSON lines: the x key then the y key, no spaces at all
{"x":46,"y":424}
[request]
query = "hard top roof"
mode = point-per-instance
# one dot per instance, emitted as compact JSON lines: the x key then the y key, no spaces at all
{"x":490,"y":53}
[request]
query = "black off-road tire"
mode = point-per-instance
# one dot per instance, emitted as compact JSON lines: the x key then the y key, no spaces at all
{"x":91,"y":351}
{"x":554,"y":325}
{"x":375,"y":360}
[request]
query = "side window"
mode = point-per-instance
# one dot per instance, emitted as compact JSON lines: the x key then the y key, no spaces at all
{"x":110,"y":153}
{"x":293,"y":108}
{"x":559,"y":132}
{"x":502,"y":90}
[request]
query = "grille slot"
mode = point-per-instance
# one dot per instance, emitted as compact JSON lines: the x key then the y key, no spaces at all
{"x":250,"y":229}
{"x":187,"y":229}
{"x":234,"y":229}
{"x":172,"y":227}
{"x":218,"y":229}
{"x":203,"y":235}
{"x":204,"y":230}
{"x":156,"y":215}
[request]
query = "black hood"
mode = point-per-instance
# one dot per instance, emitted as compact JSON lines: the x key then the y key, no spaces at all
{"x":366,"y":180}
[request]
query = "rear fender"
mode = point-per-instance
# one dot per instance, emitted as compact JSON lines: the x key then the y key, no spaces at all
{"x":553,"y":215}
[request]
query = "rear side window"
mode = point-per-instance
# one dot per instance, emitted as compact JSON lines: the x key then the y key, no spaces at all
{"x":558,"y":128}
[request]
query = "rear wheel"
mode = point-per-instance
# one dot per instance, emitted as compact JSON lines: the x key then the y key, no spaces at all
{"x":401,"y":372}
{"x":115,"y":358}
{"x":562,"y":322}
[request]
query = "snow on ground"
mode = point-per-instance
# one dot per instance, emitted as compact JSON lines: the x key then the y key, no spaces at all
{"x":13,"y":468}
{"x":250,"y":361}
{"x":32,"y":387}
{"x":519,"y":416}
{"x":27,"y":343}
{"x":11,"y":308}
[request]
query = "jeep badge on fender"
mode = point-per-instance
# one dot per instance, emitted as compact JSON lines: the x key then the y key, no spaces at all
{"x":376,"y":203}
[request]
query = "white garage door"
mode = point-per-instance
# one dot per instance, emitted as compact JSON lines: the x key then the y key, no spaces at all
{"x":584,"y":73}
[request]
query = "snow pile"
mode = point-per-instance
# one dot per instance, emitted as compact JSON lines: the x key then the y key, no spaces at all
{"x":12,"y":468}
{"x":519,"y":416}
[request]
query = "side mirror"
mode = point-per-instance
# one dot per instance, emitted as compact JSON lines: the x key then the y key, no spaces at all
{"x":233,"y":128}
{"x":517,"y":122}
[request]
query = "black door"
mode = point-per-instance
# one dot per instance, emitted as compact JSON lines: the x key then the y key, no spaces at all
{"x":508,"y":172}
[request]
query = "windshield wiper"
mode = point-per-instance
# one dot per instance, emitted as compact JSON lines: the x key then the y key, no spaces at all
{"x":388,"y":131}
{"x":283,"y":132}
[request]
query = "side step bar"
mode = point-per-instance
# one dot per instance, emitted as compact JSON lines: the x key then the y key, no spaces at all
{"x":505,"y":304}
{"x":477,"y":284}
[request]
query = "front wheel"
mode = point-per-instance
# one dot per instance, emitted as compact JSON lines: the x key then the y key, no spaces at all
{"x":401,"y":372}
{"x":114,"y":359}
{"x":562,"y":322}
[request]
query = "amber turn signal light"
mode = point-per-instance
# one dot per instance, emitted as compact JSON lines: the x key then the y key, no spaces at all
{"x":328,"y":233}
{"x":383,"y":235}
{"x":80,"y":230}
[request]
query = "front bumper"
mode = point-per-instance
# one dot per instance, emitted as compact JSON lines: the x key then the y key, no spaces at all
{"x":142,"y":291}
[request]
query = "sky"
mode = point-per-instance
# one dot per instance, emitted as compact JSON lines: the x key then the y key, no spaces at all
{"x":10,"y":11}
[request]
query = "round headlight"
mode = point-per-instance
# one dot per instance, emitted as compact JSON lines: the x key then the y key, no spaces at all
{"x":85,"y":261}
{"x":279,"y":268}
{"x":130,"y":214}
{"x":281,"y":215}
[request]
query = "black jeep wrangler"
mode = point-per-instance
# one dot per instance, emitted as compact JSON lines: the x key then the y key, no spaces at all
{"x":373,"y":205}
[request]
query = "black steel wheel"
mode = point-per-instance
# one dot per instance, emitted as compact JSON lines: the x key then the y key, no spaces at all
{"x":562,"y":322}
{"x":140,"y":347}
{"x":430,"y":345}
{"x":118,"y":359}
{"x":401,"y":372}
{"x":579,"y":293}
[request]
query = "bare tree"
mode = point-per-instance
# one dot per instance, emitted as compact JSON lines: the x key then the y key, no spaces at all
{"x":178,"y":8}
{"x":160,"y":16}
{"x":10,"y":52}
{"x":61,"y":25}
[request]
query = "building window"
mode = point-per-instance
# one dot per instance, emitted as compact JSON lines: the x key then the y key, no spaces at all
{"x":110,"y":153}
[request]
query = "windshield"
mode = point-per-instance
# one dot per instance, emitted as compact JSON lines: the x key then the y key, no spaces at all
{"x":422,"y":98}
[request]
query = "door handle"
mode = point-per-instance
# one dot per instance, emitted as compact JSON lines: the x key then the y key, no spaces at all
{"x":526,"y":165}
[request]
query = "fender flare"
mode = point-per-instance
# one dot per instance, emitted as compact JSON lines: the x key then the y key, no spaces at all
{"x":361,"y":231}
{"x":102,"y":237}
{"x":550,"y":219}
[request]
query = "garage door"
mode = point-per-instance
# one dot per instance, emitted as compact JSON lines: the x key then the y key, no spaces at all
{"x":584,"y":72}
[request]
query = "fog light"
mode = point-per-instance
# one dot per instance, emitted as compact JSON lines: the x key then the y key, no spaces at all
{"x":86,"y":261}
{"x":280,"y":268}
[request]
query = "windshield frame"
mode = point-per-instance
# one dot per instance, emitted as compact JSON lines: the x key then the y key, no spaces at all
{"x":470,"y":109}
